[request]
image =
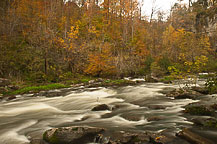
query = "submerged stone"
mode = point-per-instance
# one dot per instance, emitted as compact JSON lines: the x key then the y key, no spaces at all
{"x":101,"y":107}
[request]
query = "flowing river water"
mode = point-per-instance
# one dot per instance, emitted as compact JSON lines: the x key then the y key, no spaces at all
{"x":27,"y":116}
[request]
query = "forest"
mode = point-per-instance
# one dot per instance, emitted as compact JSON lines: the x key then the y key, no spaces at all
{"x":51,"y":40}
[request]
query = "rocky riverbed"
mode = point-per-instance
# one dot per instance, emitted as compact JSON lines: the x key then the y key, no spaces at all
{"x":142,"y":113}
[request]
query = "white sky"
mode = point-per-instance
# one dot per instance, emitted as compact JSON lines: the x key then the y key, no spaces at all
{"x":163,"y":5}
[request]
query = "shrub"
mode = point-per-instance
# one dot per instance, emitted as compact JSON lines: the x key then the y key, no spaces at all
{"x":211,"y":85}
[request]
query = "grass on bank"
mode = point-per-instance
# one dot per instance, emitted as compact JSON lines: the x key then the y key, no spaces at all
{"x":34,"y":89}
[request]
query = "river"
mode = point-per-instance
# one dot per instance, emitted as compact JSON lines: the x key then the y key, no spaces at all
{"x":27,"y":116}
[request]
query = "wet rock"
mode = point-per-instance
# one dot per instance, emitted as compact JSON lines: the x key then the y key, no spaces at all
{"x":84,"y":134}
{"x":101,"y":107}
{"x":12,"y":97}
{"x":78,"y":85}
{"x":95,"y":84}
{"x":211,"y":123}
{"x":131,"y":117}
{"x":204,"y":121}
{"x":72,"y":135}
{"x":38,"y":141}
{"x":184,"y":94}
{"x":193,"y":137}
{"x":123,"y":137}
{"x":198,"y":110}
{"x":151,"y":79}
{"x":154,"y":118}
{"x":199,"y":121}
{"x":4,"y":82}
{"x":202,"y":90}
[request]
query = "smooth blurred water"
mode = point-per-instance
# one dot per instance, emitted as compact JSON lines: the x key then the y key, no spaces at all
{"x":28,"y":117}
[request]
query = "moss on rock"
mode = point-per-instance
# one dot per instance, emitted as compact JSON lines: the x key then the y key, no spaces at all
{"x":198,"y":110}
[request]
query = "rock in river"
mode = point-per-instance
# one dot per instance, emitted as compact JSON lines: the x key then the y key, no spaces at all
{"x":199,"y":109}
{"x":184,"y":94}
{"x":193,"y":137}
{"x":12,"y":97}
{"x":37,"y":141}
{"x":101,"y":107}
{"x":85,"y":134}
{"x":202,"y":90}
{"x":71,"y":135}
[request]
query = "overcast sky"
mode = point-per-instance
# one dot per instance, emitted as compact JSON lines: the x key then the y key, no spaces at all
{"x":164,"y":5}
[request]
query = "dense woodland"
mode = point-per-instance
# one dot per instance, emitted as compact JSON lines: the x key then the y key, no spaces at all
{"x":48,"y":40}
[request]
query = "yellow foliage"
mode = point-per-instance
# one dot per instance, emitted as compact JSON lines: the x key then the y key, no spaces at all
{"x":100,"y":62}
{"x":182,"y":45}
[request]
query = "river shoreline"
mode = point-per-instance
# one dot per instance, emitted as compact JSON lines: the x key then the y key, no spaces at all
{"x":58,"y":89}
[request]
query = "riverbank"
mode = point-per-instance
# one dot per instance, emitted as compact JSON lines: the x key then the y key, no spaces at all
{"x":11,"y":89}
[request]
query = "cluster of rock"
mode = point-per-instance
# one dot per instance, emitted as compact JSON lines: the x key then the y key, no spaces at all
{"x":86,"y":134}
{"x":202,"y":114}
{"x":184,"y":94}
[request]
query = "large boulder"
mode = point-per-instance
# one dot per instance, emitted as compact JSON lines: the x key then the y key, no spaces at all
{"x":198,"y":109}
{"x":72,"y":135}
{"x":101,"y":107}
{"x":184,"y":94}
{"x":4,"y":82}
